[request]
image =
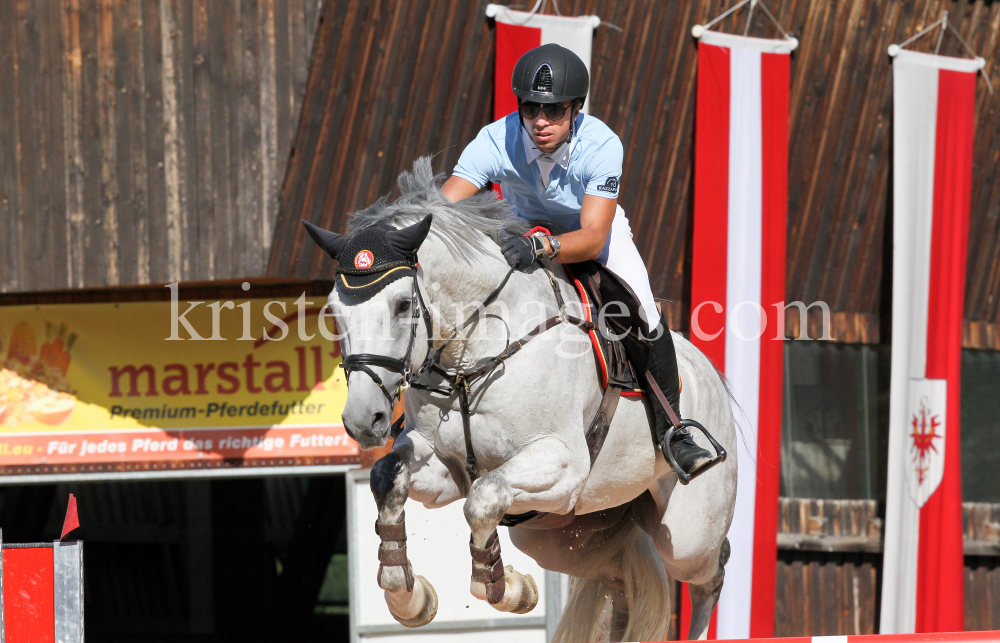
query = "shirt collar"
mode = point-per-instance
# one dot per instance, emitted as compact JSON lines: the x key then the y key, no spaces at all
{"x":560,"y":157}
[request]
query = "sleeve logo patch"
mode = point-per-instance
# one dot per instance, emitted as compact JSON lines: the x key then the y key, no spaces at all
{"x":364,"y":259}
{"x":611,"y":185}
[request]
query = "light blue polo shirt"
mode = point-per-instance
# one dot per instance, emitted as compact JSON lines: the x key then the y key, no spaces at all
{"x":497,"y":154}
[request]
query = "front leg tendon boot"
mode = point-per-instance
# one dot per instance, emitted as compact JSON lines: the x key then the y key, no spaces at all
{"x":663,"y":367}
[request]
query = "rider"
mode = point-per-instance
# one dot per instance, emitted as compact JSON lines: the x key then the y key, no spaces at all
{"x":556,"y":164}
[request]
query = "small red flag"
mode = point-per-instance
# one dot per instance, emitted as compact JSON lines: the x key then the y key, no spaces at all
{"x":72,"y":520}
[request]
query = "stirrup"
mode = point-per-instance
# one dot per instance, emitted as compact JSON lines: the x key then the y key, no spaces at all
{"x":684,"y":476}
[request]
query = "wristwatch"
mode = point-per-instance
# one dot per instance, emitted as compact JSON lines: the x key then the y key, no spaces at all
{"x":556,"y":247}
{"x":553,"y":243}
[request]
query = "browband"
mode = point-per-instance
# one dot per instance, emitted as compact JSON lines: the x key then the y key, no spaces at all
{"x":369,"y":271}
{"x":388,"y":267}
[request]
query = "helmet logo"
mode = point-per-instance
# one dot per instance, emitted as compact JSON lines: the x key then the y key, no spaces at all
{"x":364,"y":259}
{"x":543,"y":79}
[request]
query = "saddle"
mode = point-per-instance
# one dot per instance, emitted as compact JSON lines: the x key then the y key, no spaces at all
{"x":601,"y":286}
{"x":619,"y":350}
{"x":616,"y":338}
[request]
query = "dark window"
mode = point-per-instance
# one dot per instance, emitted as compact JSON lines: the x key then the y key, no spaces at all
{"x":835,"y":419}
{"x":980,"y":425}
{"x":833,"y":442}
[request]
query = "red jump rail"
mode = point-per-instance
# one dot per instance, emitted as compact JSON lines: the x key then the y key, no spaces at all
{"x":992,"y":636}
{"x":41,"y":592}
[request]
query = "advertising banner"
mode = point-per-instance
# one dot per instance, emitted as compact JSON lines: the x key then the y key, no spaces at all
{"x":89,"y":388}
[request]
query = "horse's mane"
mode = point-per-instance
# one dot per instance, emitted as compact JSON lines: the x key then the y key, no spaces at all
{"x":459,"y":225}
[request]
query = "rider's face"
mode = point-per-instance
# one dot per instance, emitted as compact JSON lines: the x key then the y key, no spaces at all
{"x":548,"y":134}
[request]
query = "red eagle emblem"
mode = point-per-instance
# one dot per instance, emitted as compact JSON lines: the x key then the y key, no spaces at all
{"x":925,"y":426}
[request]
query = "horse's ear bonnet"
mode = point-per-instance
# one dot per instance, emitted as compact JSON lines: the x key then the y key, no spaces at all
{"x":374,"y":257}
{"x":331,"y":242}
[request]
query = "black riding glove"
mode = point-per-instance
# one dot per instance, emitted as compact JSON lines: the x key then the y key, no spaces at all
{"x":521,"y":252}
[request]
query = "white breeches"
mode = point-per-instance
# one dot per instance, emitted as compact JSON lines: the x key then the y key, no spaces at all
{"x":622,"y":257}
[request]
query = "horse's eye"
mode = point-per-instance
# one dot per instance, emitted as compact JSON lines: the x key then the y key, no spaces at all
{"x":402,"y":306}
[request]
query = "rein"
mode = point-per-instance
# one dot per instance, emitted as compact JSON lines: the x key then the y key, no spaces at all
{"x":458,"y":383}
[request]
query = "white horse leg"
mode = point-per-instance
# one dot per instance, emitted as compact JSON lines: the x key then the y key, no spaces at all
{"x":504,"y":588}
{"x":688,"y":523}
{"x":541,"y":475}
{"x":692,"y":544}
{"x":704,"y":597}
{"x":411,"y":599}
{"x":432,"y":480}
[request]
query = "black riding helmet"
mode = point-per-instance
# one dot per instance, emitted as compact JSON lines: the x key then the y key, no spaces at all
{"x":550,"y":74}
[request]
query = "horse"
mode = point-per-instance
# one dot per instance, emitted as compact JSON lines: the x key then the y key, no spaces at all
{"x":621,"y":527}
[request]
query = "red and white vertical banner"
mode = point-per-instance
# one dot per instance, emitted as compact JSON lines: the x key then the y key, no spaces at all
{"x":520,"y":31}
{"x":738,"y":292}
{"x":933,"y":118}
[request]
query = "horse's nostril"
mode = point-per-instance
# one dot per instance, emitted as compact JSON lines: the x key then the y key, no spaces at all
{"x":378,"y":417}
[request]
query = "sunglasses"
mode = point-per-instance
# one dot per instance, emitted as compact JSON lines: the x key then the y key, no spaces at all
{"x":553,"y":111}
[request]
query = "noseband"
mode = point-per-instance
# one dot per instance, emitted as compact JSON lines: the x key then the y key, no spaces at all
{"x":457,"y":383}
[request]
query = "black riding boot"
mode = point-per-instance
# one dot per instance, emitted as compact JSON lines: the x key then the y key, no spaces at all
{"x":663,"y":368}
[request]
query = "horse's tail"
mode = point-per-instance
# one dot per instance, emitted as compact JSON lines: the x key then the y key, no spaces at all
{"x":585,"y":618}
{"x":736,"y":404}
{"x":644,"y":585}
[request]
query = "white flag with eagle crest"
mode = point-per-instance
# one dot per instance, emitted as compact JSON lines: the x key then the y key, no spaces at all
{"x":933,"y":119}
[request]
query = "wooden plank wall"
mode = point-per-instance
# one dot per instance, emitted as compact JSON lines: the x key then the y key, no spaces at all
{"x":427,"y":67}
{"x":829,"y":560}
{"x":390,"y":81}
{"x":145,"y":140}
{"x":982,"y":566}
{"x":830,"y":563}
{"x":982,"y":593}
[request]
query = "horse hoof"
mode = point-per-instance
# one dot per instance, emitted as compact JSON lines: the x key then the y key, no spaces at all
{"x":422,"y":589}
{"x":529,"y":593}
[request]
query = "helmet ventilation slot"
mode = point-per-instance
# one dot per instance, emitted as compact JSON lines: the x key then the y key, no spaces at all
{"x":543,"y":79}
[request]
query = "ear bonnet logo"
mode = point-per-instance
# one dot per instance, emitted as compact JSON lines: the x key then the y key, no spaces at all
{"x":364,"y":259}
{"x":611,"y":185}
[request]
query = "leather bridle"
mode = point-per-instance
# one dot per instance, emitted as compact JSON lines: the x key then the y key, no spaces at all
{"x":362,"y":361}
{"x":458,"y":383}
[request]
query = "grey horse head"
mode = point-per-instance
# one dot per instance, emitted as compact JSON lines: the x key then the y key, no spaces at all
{"x":373,"y":298}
